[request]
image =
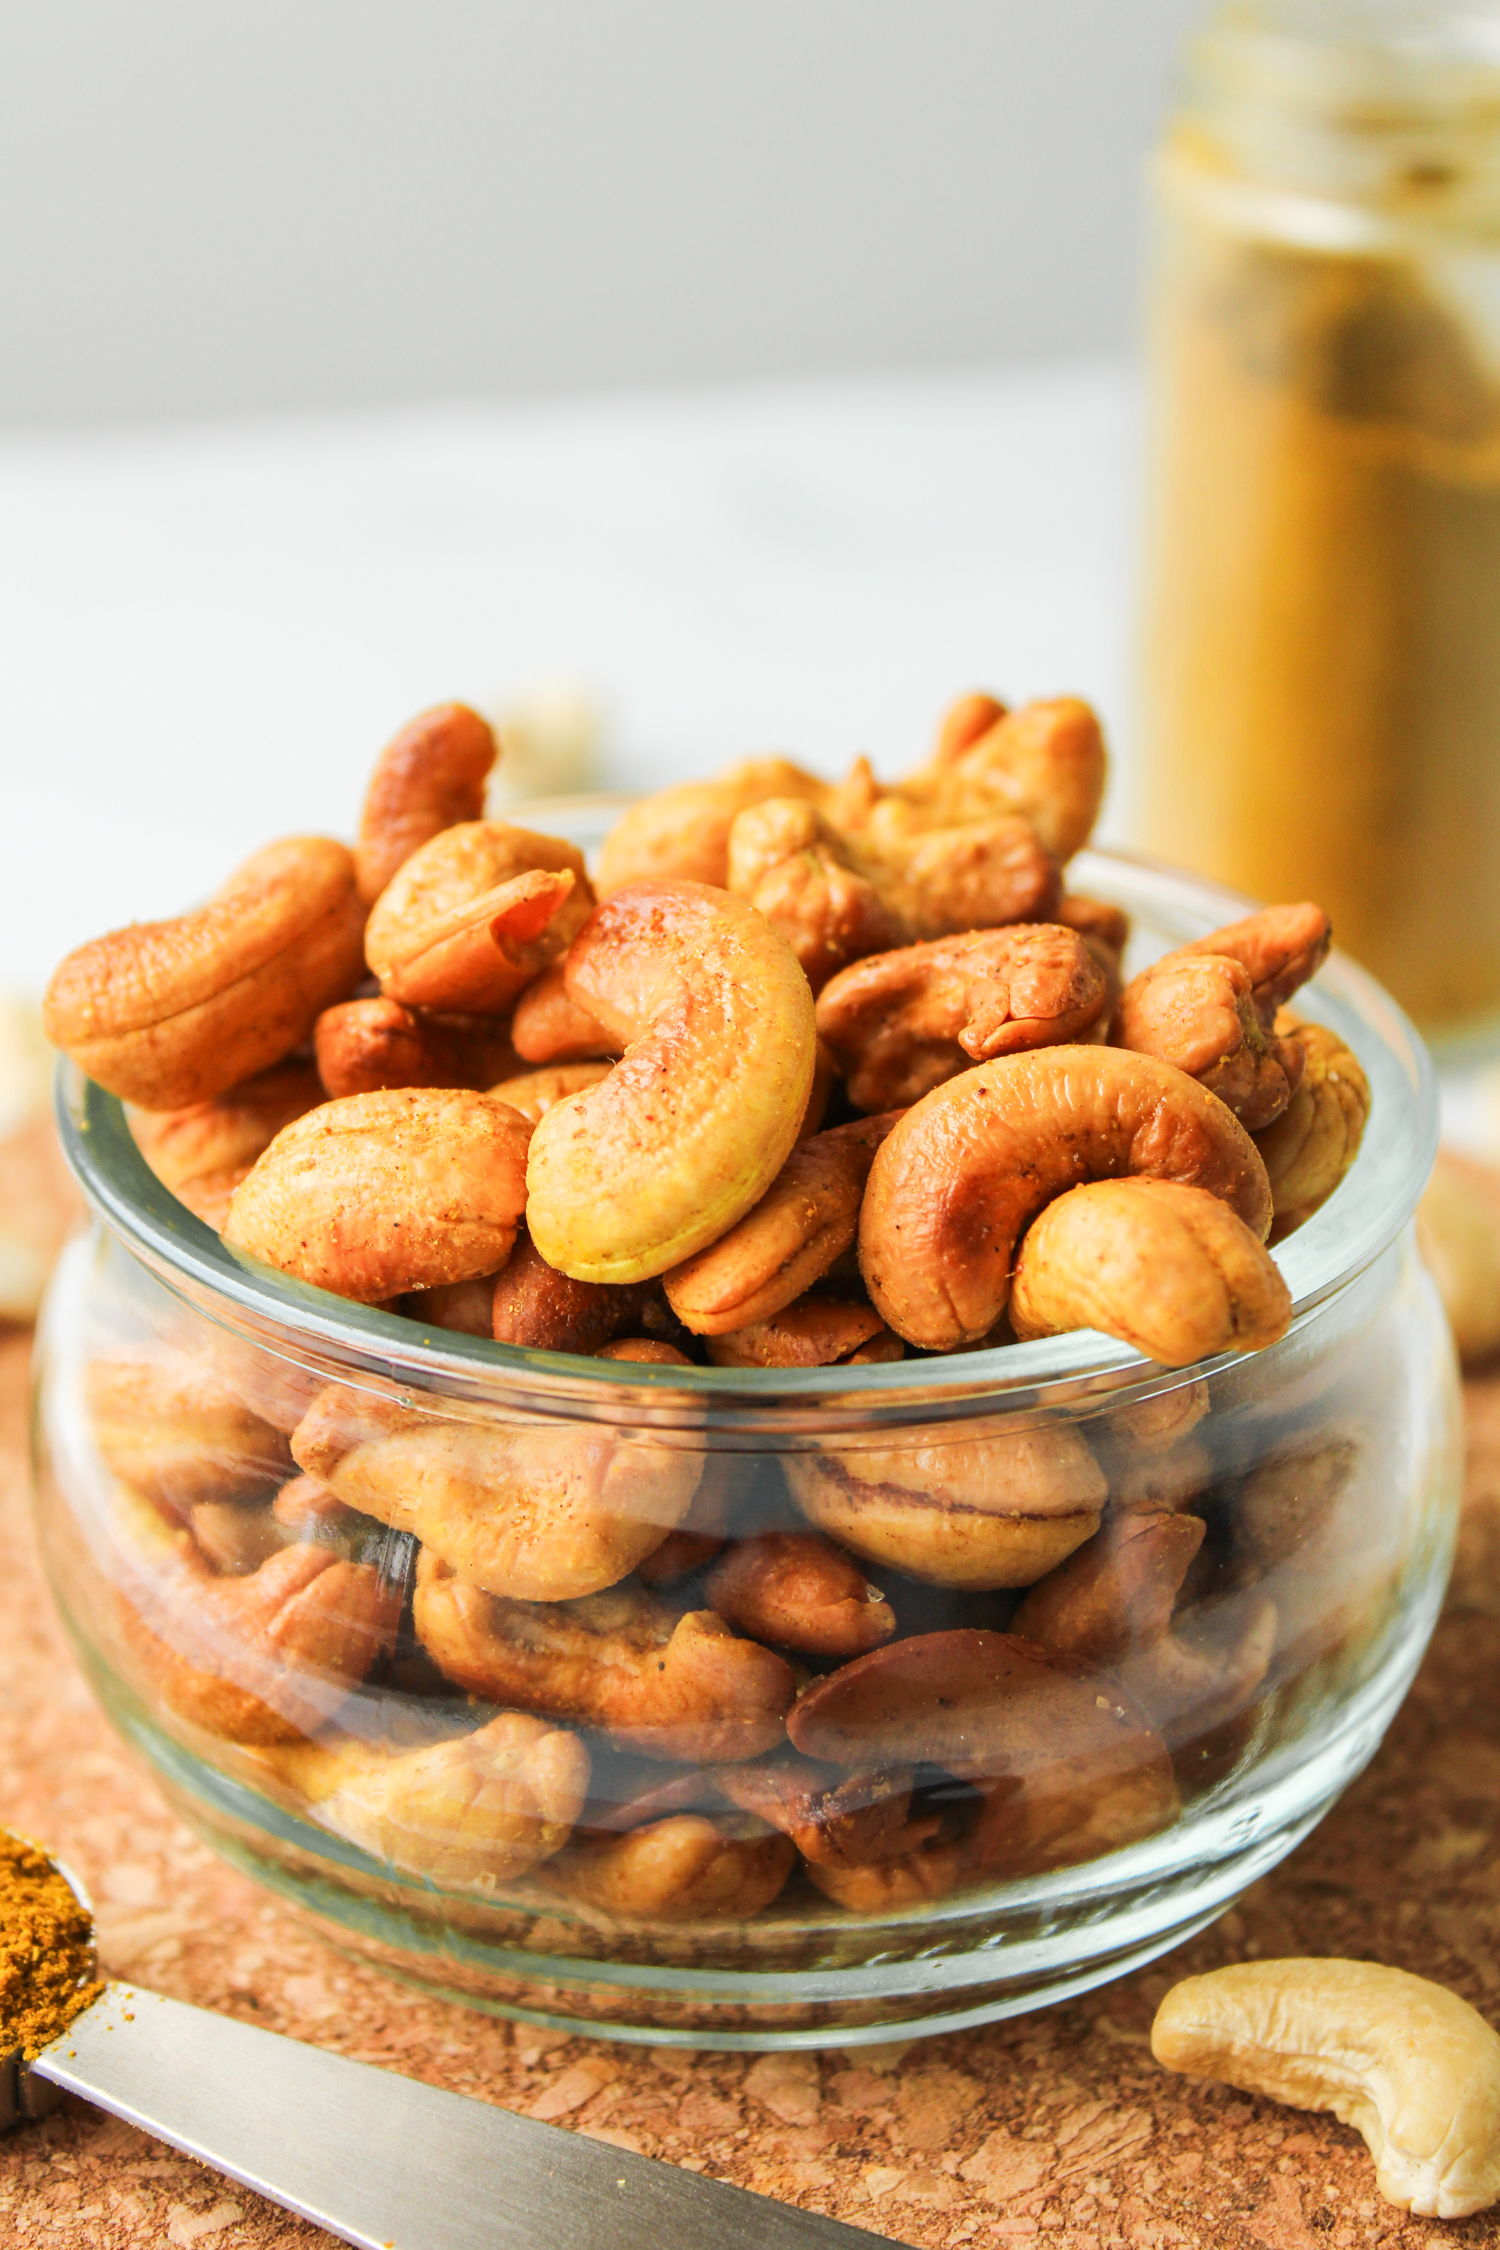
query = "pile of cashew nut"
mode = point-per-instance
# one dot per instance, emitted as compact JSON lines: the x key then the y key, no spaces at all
{"x":803,"y":1075}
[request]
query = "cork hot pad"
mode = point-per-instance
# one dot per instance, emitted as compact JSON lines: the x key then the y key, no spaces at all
{"x":1056,"y":2126}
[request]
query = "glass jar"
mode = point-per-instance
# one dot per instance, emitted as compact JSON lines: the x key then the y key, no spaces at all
{"x":1321,"y":665}
{"x":976,"y":1819}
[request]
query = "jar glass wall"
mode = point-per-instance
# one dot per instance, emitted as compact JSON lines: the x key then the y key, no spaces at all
{"x":421,"y":1629}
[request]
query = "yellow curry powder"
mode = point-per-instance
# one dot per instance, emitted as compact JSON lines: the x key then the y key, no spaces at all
{"x":46,"y":1951}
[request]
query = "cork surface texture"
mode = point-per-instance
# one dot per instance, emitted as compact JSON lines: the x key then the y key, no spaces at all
{"x":1056,"y":2126}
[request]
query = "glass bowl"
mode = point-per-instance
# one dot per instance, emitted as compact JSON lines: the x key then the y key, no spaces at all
{"x":615,"y":1837}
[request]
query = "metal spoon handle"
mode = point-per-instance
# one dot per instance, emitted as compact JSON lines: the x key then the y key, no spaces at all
{"x":388,"y":2163}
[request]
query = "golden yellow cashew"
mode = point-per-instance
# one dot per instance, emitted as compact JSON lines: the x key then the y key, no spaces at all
{"x":970,"y":1166}
{"x":1168,"y":1269}
{"x":475,"y":915}
{"x":379,"y":1193}
{"x":203,"y":1152}
{"x":683,"y":832}
{"x":1045,"y":760}
{"x":630,"y":1177}
{"x":167,"y":1013}
{"x":428,"y":777}
{"x":1315,"y":1140}
{"x":684,"y":1869}
{"x":533,"y":1092}
{"x":170,"y":1426}
{"x":805,"y":1220}
{"x":548,"y":1027}
{"x":475,"y":1810}
{"x":1411,"y":2066}
{"x":794,"y":868}
{"x":817,"y":1331}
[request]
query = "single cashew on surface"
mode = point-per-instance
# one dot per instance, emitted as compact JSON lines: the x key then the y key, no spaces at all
{"x":799,"y":1592}
{"x":683,"y":832}
{"x":794,"y":868}
{"x":380,"y":1193}
{"x":684,"y":1869}
{"x":533,"y":1512}
{"x":806,"y":1220}
{"x":1168,"y":1269}
{"x":1210,"y":1007}
{"x":901,"y":1023}
{"x":1316,"y":1139}
{"x":203,"y":1152}
{"x":1411,"y":2066}
{"x":548,"y":1027}
{"x":429,"y":777}
{"x":657,"y":1682}
{"x":968,"y":1168}
{"x":474,"y":1810}
{"x":363,"y":1046}
{"x":630,"y":1177}
{"x":167,"y":1013}
{"x":475,"y":915}
{"x":977,"y":1512}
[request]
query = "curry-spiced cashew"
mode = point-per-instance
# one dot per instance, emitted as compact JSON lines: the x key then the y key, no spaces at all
{"x":633,"y":1175}
{"x":816,"y":1331}
{"x":203,"y":1151}
{"x":528,"y":1511}
{"x":671,"y":1686}
{"x":472,"y":1811}
{"x":380,"y":1193}
{"x":475,"y":915}
{"x":168,"y":1013}
{"x":1312,"y":1144}
{"x":684,"y":1869}
{"x":980,"y":1512}
{"x":1412,"y":2067}
{"x":431,"y":776}
{"x":364,"y":1046}
{"x":901,"y":1023}
{"x":168,"y":1425}
{"x":968,"y":1168}
{"x":799,"y":1591}
{"x":683,"y":832}
{"x":1044,"y":760}
{"x":534,"y":1304}
{"x":794,"y":868}
{"x":1167,"y":1269}
{"x":1115,"y":1593}
{"x":548,"y":1027}
{"x":806,"y":1219}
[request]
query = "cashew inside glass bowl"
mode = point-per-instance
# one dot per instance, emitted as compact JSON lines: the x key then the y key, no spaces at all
{"x":391,"y":1610}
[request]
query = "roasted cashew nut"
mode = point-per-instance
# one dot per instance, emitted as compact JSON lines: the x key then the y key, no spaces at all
{"x":1312,"y":1144}
{"x":798,"y":1591}
{"x":794,"y":868}
{"x":630,"y":1177}
{"x":804,"y":1222}
{"x":816,"y":1331}
{"x":1208,"y":1671}
{"x":855,"y":1823}
{"x":430,"y":777}
{"x":470,"y":919}
{"x":167,"y":1013}
{"x":683,"y":832}
{"x":685,"y":1869}
{"x":534,"y":1304}
{"x":531,"y":1512}
{"x":1045,"y":761}
{"x":203,"y":1152}
{"x":381,"y":1193}
{"x":170,"y":1427}
{"x":969,"y":1167}
{"x":656,"y":1682}
{"x":1411,"y":2066}
{"x":901,"y":1023}
{"x":364,"y":1046}
{"x":1115,"y":1593}
{"x":1168,"y":1269}
{"x":548,"y":1027}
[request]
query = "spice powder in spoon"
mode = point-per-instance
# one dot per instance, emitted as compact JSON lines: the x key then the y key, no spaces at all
{"x":46,"y":1951}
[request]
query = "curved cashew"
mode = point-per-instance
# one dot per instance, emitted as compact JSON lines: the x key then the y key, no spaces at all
{"x":1073,"y":1811}
{"x":880,"y":1887}
{"x":529,"y":1512}
{"x":690,"y":1128}
{"x":380,"y":1193}
{"x":472,"y":1811}
{"x":799,"y":1592}
{"x":1045,"y":761}
{"x":1208,"y":1671}
{"x":265,"y":1657}
{"x":1210,"y":1008}
{"x":791,"y":864}
{"x":683,"y":832}
{"x":548,"y":1027}
{"x":1115,"y":1593}
{"x":203,"y":1152}
{"x":976,"y":1512}
{"x":1313,"y":1143}
{"x":814,"y":1332}
{"x":944,"y":880}
{"x":1412,"y":2067}
{"x":685,"y":1869}
{"x":535,"y":1304}
{"x":901,"y":1023}
{"x":664,"y":1685}
{"x":168,"y":1013}
{"x":864,"y":1820}
{"x":473,"y":916}
{"x":805,"y":1221}
{"x":171,"y":1428}
{"x":1168,"y":1269}
{"x":429,"y":777}
{"x":967,"y":1169}
{"x":364,"y":1046}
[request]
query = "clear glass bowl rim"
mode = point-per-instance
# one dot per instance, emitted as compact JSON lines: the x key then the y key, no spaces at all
{"x":1365,"y":1215}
